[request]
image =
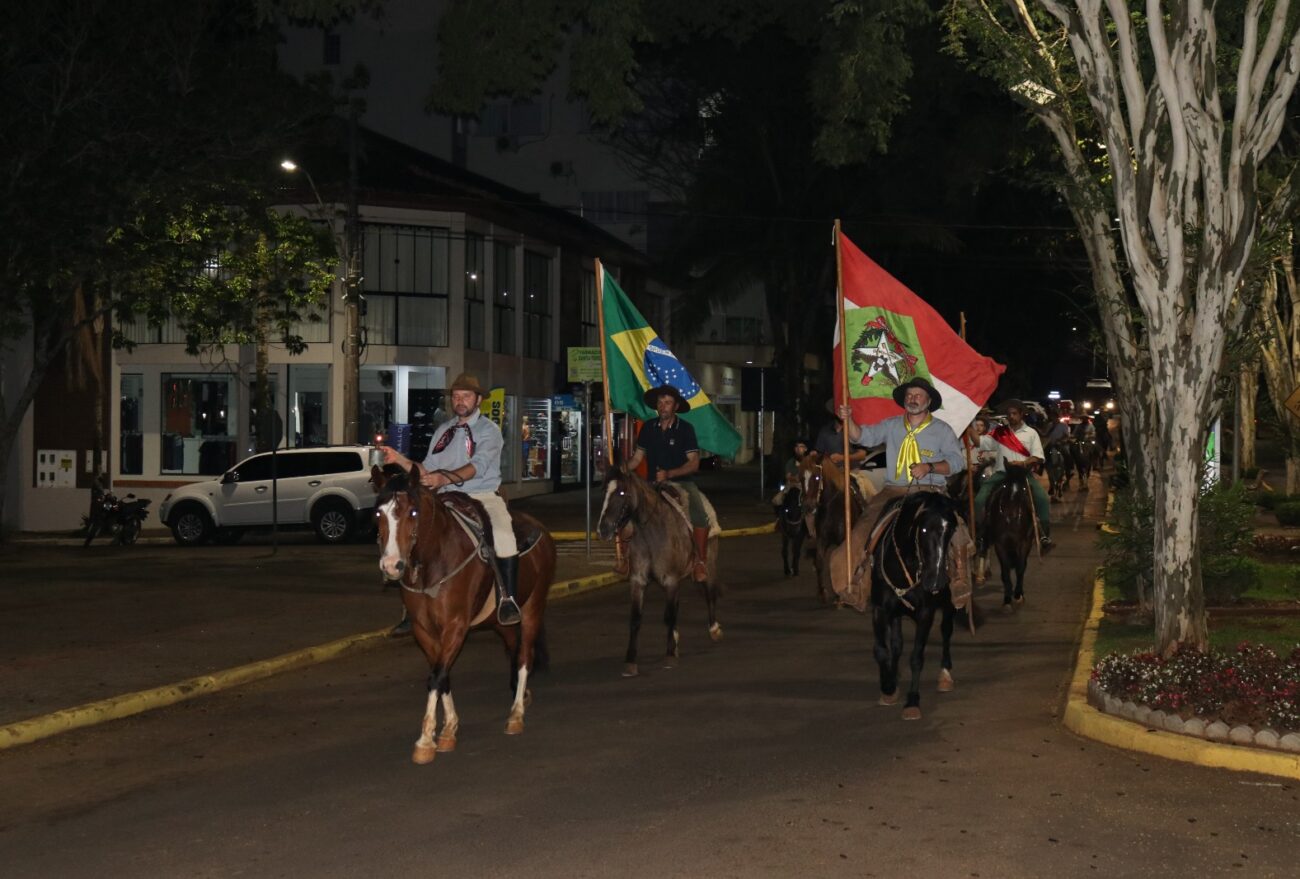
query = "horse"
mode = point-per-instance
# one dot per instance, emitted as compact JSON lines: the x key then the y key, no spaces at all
{"x":792,"y":525}
{"x":660,"y":549}
{"x":449,"y":586}
{"x":909,"y":577}
{"x":823,"y":503}
{"x":1083,"y":453}
{"x":1058,"y":471}
{"x":1009,"y":527}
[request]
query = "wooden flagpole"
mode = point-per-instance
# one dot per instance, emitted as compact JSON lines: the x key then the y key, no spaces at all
{"x":844,"y":401}
{"x":970,"y":469}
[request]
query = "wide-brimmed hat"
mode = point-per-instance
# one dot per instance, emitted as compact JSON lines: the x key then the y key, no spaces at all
{"x":1007,"y":405}
{"x":467,"y":381}
{"x":936,"y":401}
{"x":652,"y":397}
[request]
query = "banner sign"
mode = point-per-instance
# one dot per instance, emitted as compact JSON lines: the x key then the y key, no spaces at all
{"x":494,"y":407}
{"x":584,"y":364}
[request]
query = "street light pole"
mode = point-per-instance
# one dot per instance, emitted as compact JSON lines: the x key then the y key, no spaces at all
{"x":352,"y":299}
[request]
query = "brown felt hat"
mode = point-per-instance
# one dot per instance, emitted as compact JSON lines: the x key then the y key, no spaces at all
{"x":652,"y":397}
{"x":467,"y":381}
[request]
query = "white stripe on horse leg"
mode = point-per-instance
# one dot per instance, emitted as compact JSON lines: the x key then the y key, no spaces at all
{"x":517,"y":709}
{"x":450,"y":719}
{"x":430,"y":724}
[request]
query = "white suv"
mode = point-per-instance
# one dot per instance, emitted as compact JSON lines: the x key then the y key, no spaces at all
{"x":326,"y":488}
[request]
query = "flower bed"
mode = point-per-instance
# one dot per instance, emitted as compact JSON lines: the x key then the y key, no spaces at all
{"x":1252,"y":692}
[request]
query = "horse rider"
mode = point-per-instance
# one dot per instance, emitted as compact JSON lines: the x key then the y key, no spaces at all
{"x":1018,"y":443}
{"x":791,"y":472}
{"x":468,"y":448}
{"x":981,"y":450}
{"x":921,"y":452}
{"x":672,"y":453}
{"x":1055,"y":432}
{"x":830,"y":446}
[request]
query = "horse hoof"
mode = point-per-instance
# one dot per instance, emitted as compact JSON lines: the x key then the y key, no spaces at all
{"x":514,"y":726}
{"x":1020,"y":599}
{"x":670,"y":661}
{"x":945,"y":681}
{"x":445,"y":744}
{"x":886,"y":700}
{"x":715,"y":631}
{"x":423,"y":756}
{"x":911,"y":713}
{"x":630,"y":670}
{"x":1007,"y":607}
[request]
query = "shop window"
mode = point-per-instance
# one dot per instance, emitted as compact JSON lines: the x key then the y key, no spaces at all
{"x":503,"y":298}
{"x":309,"y":413}
{"x":376,"y":411}
{"x":199,"y":423}
{"x":537,"y":306}
{"x":535,"y":437}
{"x":131,"y":445}
{"x":406,"y":281}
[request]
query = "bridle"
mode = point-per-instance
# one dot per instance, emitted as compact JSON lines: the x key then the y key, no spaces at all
{"x":912,"y":581}
{"x":480,"y":550}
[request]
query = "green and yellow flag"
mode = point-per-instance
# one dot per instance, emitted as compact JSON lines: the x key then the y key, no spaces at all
{"x":638,"y":360}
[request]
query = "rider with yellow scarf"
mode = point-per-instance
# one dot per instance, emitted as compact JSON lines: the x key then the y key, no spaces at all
{"x":921,"y":452}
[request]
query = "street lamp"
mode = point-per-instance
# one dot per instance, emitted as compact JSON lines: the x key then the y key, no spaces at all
{"x":351,"y":290}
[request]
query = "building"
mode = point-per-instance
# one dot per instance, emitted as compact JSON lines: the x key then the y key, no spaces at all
{"x":459,"y":273}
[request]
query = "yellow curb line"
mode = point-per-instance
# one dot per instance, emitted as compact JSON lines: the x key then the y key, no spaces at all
{"x":33,"y":729}
{"x":769,"y":528}
{"x":1091,"y":723}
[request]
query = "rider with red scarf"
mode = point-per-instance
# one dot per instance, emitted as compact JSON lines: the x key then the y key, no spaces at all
{"x":1018,"y":444}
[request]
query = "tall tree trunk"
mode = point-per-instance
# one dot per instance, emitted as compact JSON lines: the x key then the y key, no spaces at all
{"x":46,"y":345}
{"x":1247,"y":395}
{"x":1280,"y":355}
{"x":262,"y":401}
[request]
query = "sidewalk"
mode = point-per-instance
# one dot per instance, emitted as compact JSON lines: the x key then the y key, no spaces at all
{"x":82,"y":624}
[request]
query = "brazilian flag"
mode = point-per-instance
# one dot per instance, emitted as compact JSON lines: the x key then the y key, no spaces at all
{"x":638,"y":360}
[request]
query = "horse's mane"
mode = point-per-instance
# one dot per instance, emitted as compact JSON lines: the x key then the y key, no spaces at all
{"x":396,"y":480}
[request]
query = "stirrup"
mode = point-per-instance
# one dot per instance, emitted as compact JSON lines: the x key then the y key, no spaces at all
{"x":508,"y":612}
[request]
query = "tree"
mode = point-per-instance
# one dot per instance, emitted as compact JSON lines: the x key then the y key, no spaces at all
{"x":1183,"y":180}
{"x":123,"y":121}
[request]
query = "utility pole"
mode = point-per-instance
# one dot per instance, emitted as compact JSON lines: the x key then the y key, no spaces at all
{"x":352,"y":297}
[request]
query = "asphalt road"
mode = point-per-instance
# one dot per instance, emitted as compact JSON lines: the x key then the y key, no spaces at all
{"x":762,"y":755}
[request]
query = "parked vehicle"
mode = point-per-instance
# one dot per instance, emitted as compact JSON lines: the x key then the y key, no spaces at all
{"x":123,"y":518}
{"x":325,"y":489}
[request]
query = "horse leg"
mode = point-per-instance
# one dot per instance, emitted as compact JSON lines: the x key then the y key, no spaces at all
{"x":1020,"y":578}
{"x":945,"y":630}
{"x":1004,"y":565}
{"x":924,"y":620}
{"x":671,"y":602}
{"x":886,"y":658}
{"x":785,"y":553}
{"x":798,"y":551}
{"x":710,"y":589}
{"x":450,"y":719}
{"x":634,"y":628}
{"x":425,"y":750}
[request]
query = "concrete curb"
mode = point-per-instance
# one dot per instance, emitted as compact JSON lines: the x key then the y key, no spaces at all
{"x":769,"y":528}
{"x":1087,"y":721}
{"x":33,"y":729}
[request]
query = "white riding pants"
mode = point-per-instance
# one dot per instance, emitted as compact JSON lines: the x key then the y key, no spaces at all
{"x":503,"y":532}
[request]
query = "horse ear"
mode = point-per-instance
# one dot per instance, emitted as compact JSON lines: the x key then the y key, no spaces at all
{"x":413,"y":480}
{"x":377,"y":477}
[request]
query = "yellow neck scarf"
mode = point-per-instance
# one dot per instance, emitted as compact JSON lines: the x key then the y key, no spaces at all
{"x":909,"y":452}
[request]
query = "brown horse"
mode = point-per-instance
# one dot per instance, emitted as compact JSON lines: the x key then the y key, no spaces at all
{"x":823,"y":504}
{"x":660,"y":549}
{"x":449,"y":586}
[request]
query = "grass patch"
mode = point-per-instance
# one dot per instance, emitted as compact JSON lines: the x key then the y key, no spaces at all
{"x":1277,"y":582}
{"x":1281,"y":632}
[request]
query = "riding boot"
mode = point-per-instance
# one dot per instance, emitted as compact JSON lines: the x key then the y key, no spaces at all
{"x":1045,"y":544}
{"x":700,"y":570}
{"x":621,"y":563}
{"x":508,"y":593}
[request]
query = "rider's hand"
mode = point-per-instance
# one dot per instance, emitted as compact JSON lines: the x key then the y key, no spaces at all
{"x":920,"y":469}
{"x":836,"y":457}
{"x":392,"y":456}
{"x":434,"y":480}
{"x":845,"y":412}
{"x":661,"y":475}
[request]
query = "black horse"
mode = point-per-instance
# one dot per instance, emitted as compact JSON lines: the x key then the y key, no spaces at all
{"x":909,"y":577}
{"x":1058,"y":467}
{"x":792,"y":525}
{"x":1009,"y":526}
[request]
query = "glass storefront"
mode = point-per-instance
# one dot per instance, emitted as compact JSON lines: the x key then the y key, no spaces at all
{"x":376,"y":411}
{"x":199,"y":423}
{"x":535,"y":437}
{"x":427,"y":407}
{"x":131,"y":433}
{"x":567,"y":438}
{"x":510,"y":444}
{"x":309,"y":414}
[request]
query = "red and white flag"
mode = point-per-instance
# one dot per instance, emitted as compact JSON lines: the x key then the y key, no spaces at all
{"x":894,"y":336}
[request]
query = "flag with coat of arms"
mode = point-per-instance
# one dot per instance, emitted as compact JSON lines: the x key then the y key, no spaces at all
{"x":894,"y":336}
{"x":638,"y":360}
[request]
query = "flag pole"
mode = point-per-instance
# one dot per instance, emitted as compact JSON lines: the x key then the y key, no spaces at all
{"x":604,"y":386}
{"x":970,"y":470}
{"x":844,"y":401}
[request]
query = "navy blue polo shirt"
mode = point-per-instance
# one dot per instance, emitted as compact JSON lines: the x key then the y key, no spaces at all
{"x":667,"y":449}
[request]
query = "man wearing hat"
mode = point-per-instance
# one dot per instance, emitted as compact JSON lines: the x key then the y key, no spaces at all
{"x":921,"y":452}
{"x":469,"y":447}
{"x":1018,"y":443}
{"x":668,"y":446}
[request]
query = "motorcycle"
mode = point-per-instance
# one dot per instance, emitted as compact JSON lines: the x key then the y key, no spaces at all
{"x":122,"y":519}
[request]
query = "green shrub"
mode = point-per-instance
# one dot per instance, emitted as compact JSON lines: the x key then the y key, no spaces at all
{"x":1270,"y":499}
{"x":1225,"y":515}
{"x":1250,"y":473}
{"x":1288,"y":513}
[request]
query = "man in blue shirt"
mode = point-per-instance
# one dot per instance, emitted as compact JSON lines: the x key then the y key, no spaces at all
{"x":921,"y":452}
{"x":668,"y":446}
{"x":465,"y":455}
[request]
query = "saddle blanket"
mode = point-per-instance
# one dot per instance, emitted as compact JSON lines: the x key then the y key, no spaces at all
{"x":681,"y":503}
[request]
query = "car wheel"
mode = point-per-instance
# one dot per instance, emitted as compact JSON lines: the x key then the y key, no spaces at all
{"x":333,"y":521}
{"x":130,"y":531}
{"x":191,"y":525}
{"x":228,"y":536}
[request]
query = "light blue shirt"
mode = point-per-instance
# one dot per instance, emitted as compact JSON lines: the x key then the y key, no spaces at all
{"x":937,"y":443}
{"x":486,"y":458}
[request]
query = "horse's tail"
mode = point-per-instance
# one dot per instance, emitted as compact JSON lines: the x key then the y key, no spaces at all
{"x":541,"y":656}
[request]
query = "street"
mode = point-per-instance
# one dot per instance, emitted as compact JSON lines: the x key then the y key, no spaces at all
{"x":762,"y":755}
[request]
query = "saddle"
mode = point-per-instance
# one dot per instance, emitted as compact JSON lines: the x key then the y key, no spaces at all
{"x":676,"y":498}
{"x":474,"y":519}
